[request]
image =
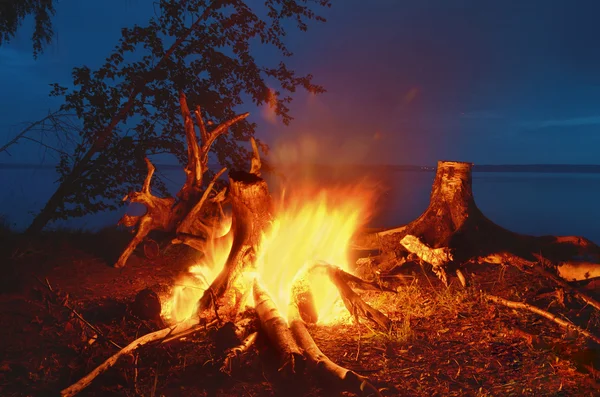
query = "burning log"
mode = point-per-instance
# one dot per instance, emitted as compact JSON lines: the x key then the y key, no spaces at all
{"x":278,"y":333}
{"x":353,"y":302}
{"x":181,"y":215}
{"x":453,"y":231}
{"x":252,"y":213}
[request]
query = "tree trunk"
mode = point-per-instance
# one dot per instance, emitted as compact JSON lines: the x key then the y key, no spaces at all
{"x":252,"y":212}
{"x":101,"y":139}
{"x":453,"y":231}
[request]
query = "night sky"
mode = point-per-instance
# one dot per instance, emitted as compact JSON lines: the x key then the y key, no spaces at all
{"x":409,"y":82}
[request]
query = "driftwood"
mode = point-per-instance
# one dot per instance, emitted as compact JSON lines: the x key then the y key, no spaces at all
{"x":453,"y":231}
{"x":181,"y":214}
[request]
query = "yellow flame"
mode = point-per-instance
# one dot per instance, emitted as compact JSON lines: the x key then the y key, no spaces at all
{"x":309,"y":227}
{"x":190,"y":287}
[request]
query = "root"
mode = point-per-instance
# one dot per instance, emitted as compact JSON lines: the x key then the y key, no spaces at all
{"x":526,"y":265}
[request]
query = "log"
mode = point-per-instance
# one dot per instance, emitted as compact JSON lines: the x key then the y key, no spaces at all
{"x":353,"y":302}
{"x":331,"y":373}
{"x":453,"y":231}
{"x":166,"y":214}
{"x":277,"y":331}
{"x":252,"y":213}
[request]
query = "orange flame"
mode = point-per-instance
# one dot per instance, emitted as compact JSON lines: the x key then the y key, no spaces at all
{"x":190,"y":287}
{"x":309,"y":227}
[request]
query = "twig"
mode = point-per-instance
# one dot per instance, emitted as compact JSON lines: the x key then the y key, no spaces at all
{"x":214,"y":304}
{"x":139,"y":342}
{"x":235,"y":352}
{"x":552,"y":317}
{"x":76,"y":314}
{"x":359,"y":338}
{"x":578,"y":294}
{"x":23,"y":133}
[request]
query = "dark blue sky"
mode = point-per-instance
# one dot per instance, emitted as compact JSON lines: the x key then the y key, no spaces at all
{"x":408,"y":81}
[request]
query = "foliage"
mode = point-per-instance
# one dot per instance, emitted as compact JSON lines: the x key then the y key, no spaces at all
{"x":12,"y":13}
{"x":128,"y":107}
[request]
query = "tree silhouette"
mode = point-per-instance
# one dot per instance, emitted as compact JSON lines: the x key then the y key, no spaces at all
{"x":12,"y":13}
{"x":128,"y":107}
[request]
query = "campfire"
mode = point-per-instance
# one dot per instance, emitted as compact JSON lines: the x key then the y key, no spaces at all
{"x":285,"y":260}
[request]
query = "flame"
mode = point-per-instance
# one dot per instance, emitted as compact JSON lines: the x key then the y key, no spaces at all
{"x":190,"y":287}
{"x":309,"y":227}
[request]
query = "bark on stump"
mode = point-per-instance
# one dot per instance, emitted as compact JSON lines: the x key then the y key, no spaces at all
{"x":453,"y":231}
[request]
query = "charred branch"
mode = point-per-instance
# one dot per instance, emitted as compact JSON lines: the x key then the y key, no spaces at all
{"x":353,"y":302}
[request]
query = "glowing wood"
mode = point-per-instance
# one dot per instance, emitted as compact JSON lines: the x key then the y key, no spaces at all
{"x":278,"y":333}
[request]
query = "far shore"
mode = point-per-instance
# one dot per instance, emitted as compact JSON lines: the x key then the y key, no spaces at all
{"x":533,"y":168}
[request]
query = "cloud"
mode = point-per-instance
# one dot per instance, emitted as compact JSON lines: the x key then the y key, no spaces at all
{"x":572,"y":122}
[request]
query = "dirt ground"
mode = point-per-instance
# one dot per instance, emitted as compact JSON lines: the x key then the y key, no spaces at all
{"x":445,"y":341}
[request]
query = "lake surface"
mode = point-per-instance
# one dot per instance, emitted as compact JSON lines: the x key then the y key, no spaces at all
{"x":529,"y":203}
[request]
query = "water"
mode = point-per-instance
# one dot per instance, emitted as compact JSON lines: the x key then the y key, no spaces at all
{"x":529,"y":203}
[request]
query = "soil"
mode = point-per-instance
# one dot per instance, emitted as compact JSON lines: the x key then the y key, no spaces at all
{"x":445,"y":341}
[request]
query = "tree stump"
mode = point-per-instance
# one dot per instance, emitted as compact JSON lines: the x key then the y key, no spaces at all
{"x":252,"y":213}
{"x":453,"y":231}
